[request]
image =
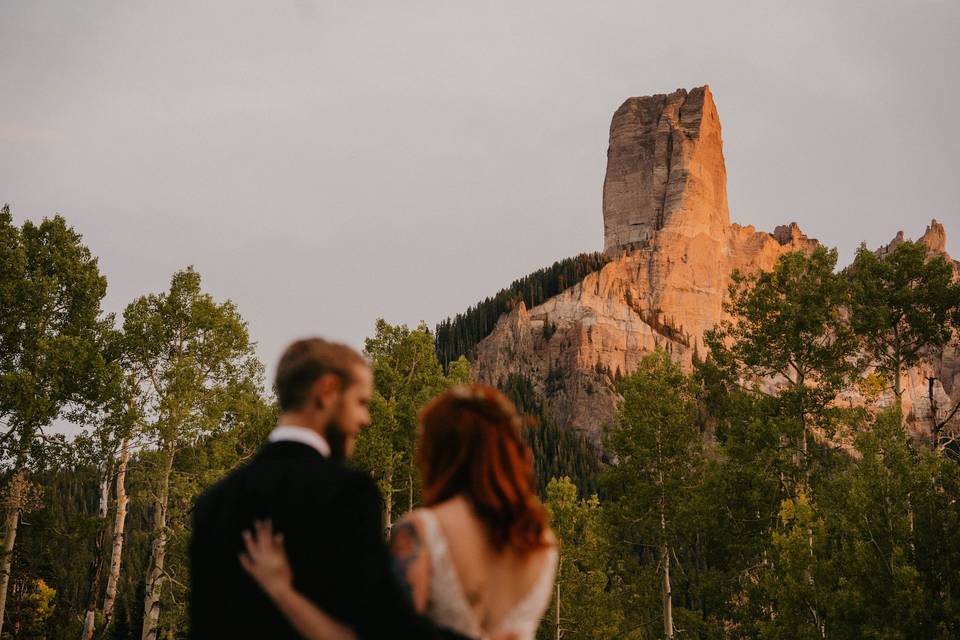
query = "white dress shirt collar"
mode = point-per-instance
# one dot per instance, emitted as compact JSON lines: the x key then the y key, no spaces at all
{"x":309,"y":437}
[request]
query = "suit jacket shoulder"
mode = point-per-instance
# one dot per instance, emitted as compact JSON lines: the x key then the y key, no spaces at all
{"x":332,"y":519}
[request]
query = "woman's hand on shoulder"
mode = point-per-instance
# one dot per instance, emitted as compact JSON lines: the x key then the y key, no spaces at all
{"x":265,"y":559}
{"x":411,"y":562}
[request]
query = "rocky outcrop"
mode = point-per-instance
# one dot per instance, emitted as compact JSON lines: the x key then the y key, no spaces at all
{"x":663,"y":295}
{"x":666,"y":225}
{"x":790,"y":234}
{"x":665,"y":170}
{"x":666,"y":221}
{"x":938,"y":377}
{"x":935,"y":237}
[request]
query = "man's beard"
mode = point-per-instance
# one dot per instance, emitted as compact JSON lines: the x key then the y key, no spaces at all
{"x":336,"y":437}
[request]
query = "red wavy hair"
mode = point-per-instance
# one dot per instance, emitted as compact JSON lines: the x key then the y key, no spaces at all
{"x":470,"y":445}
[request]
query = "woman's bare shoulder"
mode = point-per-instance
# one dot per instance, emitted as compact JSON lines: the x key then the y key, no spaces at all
{"x":549,"y":537}
{"x":542,"y":556}
{"x":455,"y":506}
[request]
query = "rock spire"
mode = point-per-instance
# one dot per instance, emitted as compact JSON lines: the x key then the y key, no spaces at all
{"x":667,"y":228}
{"x":665,"y":170}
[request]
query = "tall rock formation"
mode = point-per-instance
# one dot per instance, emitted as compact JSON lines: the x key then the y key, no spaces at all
{"x":667,"y":228}
{"x":666,"y":222}
{"x":664,"y":169}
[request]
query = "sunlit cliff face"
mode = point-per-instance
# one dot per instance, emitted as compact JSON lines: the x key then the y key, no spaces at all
{"x":665,"y":169}
{"x":666,"y":224}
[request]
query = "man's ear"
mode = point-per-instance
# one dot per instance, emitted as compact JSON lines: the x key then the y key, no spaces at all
{"x":326,"y":389}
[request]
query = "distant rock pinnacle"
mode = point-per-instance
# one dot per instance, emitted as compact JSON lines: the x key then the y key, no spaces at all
{"x":667,"y":228}
{"x":665,"y":169}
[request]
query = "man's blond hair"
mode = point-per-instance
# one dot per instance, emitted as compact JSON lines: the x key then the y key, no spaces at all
{"x":304,"y":361}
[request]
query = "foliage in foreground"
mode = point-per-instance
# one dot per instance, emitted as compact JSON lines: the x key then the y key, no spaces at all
{"x":736,"y":509}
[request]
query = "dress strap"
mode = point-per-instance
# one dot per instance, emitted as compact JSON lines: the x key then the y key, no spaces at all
{"x":527,"y":612}
{"x":433,"y":536}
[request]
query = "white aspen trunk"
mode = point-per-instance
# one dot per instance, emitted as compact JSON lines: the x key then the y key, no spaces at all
{"x":118,"y":527}
{"x":934,"y":439}
{"x":664,"y":549}
{"x":820,"y":624}
{"x":158,"y":553}
{"x":806,"y":477}
{"x":96,"y":567}
{"x":913,"y":549}
{"x":559,"y":630}
{"x":18,"y":484}
{"x":388,"y":500}
{"x":409,"y":492}
{"x":898,"y":361}
{"x":667,"y":591}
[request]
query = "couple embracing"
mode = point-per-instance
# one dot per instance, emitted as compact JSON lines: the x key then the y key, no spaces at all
{"x":291,"y":545}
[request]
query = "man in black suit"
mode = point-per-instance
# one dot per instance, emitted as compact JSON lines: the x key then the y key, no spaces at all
{"x":330,"y":515}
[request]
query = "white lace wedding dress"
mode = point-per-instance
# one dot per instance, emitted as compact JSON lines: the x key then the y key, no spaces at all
{"x":447,"y":605}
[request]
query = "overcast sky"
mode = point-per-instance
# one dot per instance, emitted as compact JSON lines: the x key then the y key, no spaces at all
{"x":327,"y":163}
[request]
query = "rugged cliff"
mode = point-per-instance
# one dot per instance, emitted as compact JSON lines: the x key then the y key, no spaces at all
{"x":665,"y":170}
{"x":667,"y":229}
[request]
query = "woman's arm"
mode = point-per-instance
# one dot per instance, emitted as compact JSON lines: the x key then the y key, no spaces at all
{"x":266,"y":561}
{"x":309,"y":620}
{"x":411,"y":564}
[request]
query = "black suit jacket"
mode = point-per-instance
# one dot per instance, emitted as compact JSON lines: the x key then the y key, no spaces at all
{"x":331,"y":519}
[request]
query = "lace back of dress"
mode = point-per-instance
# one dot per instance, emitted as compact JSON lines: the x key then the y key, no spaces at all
{"x":448,"y":606}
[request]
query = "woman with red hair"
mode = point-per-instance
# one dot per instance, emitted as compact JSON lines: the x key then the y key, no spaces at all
{"x":478,"y":558}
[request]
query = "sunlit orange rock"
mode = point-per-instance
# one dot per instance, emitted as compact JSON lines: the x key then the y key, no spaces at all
{"x":666,"y":225}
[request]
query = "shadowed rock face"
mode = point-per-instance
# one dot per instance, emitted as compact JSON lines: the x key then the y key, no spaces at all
{"x":665,"y":169}
{"x":666,"y":223}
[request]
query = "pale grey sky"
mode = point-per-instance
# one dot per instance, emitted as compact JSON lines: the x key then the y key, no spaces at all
{"x":326,"y":163}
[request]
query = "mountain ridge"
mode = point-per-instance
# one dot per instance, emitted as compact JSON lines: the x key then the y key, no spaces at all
{"x":672,"y":252}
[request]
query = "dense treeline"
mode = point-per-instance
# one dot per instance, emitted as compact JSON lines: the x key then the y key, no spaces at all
{"x":406,"y":375}
{"x":557,"y":452}
{"x":745,"y":501}
{"x":167,"y":399}
{"x":458,"y":336}
{"x":55,"y":547}
{"x":696,"y":538}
